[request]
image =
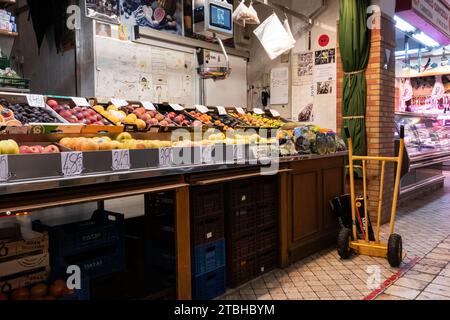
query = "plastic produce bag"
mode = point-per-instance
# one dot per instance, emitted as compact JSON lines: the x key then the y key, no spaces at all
{"x":241,"y":14}
{"x":253,"y":16}
{"x":273,"y":37}
{"x":289,"y":32}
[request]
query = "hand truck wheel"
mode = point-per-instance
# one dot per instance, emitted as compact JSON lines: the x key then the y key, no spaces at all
{"x":343,"y":243}
{"x":395,"y":250}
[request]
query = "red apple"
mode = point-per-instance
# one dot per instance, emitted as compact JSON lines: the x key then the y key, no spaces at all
{"x":40,"y":148}
{"x":85,"y":114}
{"x":66,"y":114}
{"x":51,"y":149}
{"x":79,"y":115}
{"x":52,"y":103}
{"x":99,"y":117}
{"x":93,"y":118}
{"x":77,"y":109}
{"x":35,"y":149}
{"x":24,"y":150}
{"x":58,"y":109}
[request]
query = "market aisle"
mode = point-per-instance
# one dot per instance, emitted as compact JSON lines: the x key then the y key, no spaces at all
{"x":425,"y":227}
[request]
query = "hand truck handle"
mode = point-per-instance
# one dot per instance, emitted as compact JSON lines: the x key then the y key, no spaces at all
{"x":402,"y":132}
{"x":347,"y":132}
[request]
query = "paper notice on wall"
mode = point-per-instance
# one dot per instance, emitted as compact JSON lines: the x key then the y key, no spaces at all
{"x":303,"y":64}
{"x":303,"y":103}
{"x":279,"y":86}
{"x":325,"y":72}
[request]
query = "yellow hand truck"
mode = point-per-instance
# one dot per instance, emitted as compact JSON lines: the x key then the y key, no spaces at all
{"x":348,"y":241}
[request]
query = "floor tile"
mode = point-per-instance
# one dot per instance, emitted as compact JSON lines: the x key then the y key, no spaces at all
{"x":438,"y":289}
{"x":385,"y":296}
{"x":431,"y":296}
{"x":411,"y":283}
{"x":402,"y":292}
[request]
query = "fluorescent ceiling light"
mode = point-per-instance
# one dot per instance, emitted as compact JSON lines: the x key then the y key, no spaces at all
{"x":403,"y":25}
{"x":411,"y":51}
{"x":426,"y":40}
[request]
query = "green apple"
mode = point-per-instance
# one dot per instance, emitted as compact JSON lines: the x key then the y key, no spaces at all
{"x":9,"y":147}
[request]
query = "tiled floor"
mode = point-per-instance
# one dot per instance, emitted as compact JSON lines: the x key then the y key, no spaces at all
{"x":425,"y":274}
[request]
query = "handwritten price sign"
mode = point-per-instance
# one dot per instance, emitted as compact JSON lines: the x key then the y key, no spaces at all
{"x":207,"y":154}
{"x":165,"y":157}
{"x":238,"y":152}
{"x":71,"y":163}
{"x":35,"y":100}
{"x":4,"y":169}
{"x":80,"y":102}
{"x":120,"y":160}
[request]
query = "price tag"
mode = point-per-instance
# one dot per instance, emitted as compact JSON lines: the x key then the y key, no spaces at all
{"x":201,"y":109}
{"x":258,"y":111}
{"x":121,"y":160}
{"x":71,"y":163}
{"x":148,"y":105}
{"x":238,"y":151}
{"x":222,"y":111}
{"x":176,"y":107}
{"x":80,"y":102}
{"x":119,"y":102}
{"x":275,"y":113}
{"x":240,"y":110}
{"x":4,"y":168}
{"x":35,"y":100}
{"x":165,"y":157}
{"x":207,"y":154}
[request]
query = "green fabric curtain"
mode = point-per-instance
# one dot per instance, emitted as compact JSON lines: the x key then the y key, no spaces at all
{"x":354,"y":43}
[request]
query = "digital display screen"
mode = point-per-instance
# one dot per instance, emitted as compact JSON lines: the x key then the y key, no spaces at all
{"x":220,"y":17}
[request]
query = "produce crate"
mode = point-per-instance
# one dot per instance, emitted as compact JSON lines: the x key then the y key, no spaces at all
{"x":158,"y":204}
{"x":16,"y":83}
{"x":96,"y":245}
{"x":207,"y":201}
{"x":242,"y":193}
{"x":208,"y":229}
{"x":13,"y":248}
{"x":266,"y":216}
{"x":24,"y":265}
{"x":268,"y":189}
{"x":208,"y":257}
{"x":209,"y":285}
{"x":162,"y":258}
{"x":242,"y":247}
{"x":266,"y":261}
{"x":162,"y":229}
{"x":266,"y":239}
{"x":241,"y":221}
{"x":21,"y":280}
{"x":241,"y":271}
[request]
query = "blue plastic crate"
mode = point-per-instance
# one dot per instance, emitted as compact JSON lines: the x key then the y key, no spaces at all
{"x":102,"y":229}
{"x":209,"y":285}
{"x":96,"y":246}
{"x":209,"y":257}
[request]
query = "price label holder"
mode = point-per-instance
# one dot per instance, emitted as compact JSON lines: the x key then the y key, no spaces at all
{"x":240,"y":111}
{"x":121,"y":160}
{"x":35,"y":100}
{"x":207,"y":154}
{"x":71,"y":163}
{"x":201,"y":109}
{"x":274,"y":113}
{"x":176,"y":107}
{"x":165,"y":157}
{"x":4,"y":168}
{"x":80,"y":102}
{"x":222,"y":111}
{"x":148,"y":105}
{"x":119,"y":103}
{"x":258,"y":111}
{"x":238,"y":152}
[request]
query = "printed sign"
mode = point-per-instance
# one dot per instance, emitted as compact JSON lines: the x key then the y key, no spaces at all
{"x":201,"y":109}
{"x":258,"y":111}
{"x":35,"y":100}
{"x":324,"y":40}
{"x":176,"y":107}
{"x":80,"y":102}
{"x":71,"y":163}
{"x":274,"y":113}
{"x":4,"y":168}
{"x":240,"y":111}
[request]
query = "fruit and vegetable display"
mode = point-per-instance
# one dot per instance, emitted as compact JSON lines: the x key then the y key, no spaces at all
{"x":26,"y":114}
{"x":203,"y":117}
{"x":155,"y":118}
{"x":79,"y":115}
{"x":227,"y":121}
{"x":256,"y":120}
{"x":7,"y":116}
{"x":312,"y":139}
{"x":41,"y":291}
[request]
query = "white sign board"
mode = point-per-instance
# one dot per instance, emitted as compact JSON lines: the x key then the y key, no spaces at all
{"x":119,"y":102}
{"x":71,"y":163}
{"x":4,"y":168}
{"x":35,"y":100}
{"x":165,"y":157}
{"x":121,"y":160}
{"x":148,"y":105}
{"x":80,"y":102}
{"x":201,"y":109}
{"x":222,"y":111}
{"x":176,"y":107}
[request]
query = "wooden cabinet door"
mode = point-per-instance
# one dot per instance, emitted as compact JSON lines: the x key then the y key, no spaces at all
{"x":333,"y":181}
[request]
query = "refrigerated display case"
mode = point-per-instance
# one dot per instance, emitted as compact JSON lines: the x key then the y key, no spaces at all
{"x":427,"y":141}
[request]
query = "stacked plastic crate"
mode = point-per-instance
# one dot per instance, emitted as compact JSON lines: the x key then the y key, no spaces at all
{"x":252,"y":229}
{"x":208,"y":247}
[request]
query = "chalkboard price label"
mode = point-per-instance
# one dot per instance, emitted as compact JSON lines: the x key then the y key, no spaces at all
{"x":71,"y":163}
{"x":121,"y":160}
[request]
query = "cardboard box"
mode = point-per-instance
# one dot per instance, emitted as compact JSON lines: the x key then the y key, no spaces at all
{"x":25,"y":265}
{"x":10,"y":249}
{"x":22,"y":281}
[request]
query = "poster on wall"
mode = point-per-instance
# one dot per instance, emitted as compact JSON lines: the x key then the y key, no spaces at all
{"x":303,"y":68}
{"x":104,"y":10}
{"x":155,"y":14}
{"x":325,"y":57}
{"x":303,"y":103}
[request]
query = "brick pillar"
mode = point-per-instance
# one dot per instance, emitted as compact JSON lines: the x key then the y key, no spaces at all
{"x":380,"y":113}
